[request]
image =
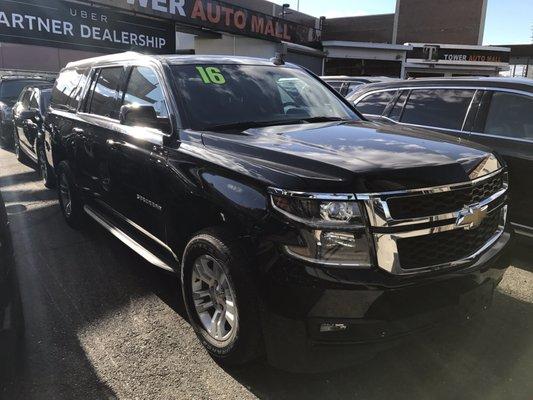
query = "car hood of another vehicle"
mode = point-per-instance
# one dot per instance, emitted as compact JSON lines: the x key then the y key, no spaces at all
{"x":357,"y":156}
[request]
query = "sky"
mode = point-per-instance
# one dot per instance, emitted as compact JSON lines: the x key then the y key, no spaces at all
{"x":507,"y":22}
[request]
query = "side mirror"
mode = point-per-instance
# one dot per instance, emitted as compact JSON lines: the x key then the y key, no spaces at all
{"x":142,"y":116}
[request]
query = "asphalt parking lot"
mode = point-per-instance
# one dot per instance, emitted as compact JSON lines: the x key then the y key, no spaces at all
{"x":102,"y":324}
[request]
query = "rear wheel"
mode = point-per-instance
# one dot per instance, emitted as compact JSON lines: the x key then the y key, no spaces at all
{"x":220,"y":298}
{"x":69,"y":198}
{"x":47,"y":173}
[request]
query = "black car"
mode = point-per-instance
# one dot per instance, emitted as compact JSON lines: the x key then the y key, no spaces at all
{"x":10,"y":87}
{"x":292,"y":222}
{"x":347,"y":85}
{"x":496,"y":112}
{"x":28,"y":119}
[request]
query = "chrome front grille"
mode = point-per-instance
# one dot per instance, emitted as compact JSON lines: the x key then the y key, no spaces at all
{"x":435,"y":228}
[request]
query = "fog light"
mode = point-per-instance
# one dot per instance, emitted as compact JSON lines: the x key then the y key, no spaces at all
{"x":332,"y":327}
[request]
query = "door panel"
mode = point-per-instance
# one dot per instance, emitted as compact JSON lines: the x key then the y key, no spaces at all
{"x":505,"y":121}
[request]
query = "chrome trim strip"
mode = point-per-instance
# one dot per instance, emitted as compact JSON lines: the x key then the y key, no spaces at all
{"x":388,"y":255}
{"x":312,"y":195}
{"x":467,"y":87}
{"x":128,"y":241}
{"x":523,"y":230}
{"x":322,"y":262}
{"x":481,"y":134}
{"x":467,"y":110}
{"x":137,"y":227}
{"x":429,"y":190}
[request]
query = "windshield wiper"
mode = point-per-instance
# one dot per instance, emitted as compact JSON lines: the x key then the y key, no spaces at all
{"x":258,"y":124}
{"x":248,"y":124}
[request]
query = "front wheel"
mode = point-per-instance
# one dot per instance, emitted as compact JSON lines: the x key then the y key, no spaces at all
{"x":69,"y":198}
{"x":220,"y":298}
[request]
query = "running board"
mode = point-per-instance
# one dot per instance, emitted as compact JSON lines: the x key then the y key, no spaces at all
{"x":127,"y":240}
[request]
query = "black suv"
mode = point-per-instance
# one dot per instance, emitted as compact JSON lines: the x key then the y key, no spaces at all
{"x":289,"y":218}
{"x":10,"y":87}
{"x":29,"y":137}
{"x":496,"y":112}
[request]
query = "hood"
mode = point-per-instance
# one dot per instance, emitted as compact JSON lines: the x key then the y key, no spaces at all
{"x":357,"y":156}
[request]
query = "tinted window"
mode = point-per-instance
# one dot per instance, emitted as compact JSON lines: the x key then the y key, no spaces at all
{"x":105,"y":92}
{"x":25,"y":98}
{"x":228,"y":94}
{"x":510,"y":115}
{"x":45,"y":99}
{"x":441,"y":108}
{"x":65,"y":89}
{"x":375,"y":103}
{"x":33,"y":101}
{"x":396,"y":111}
{"x":10,"y":90}
{"x":144,"y":89}
{"x":336,"y":85}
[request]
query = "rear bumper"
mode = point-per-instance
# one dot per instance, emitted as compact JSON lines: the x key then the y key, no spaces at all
{"x":309,"y":309}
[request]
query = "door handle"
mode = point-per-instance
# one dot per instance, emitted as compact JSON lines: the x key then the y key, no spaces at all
{"x":78,"y":131}
{"x":113,"y":145}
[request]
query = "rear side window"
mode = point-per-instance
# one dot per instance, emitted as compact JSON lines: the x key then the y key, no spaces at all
{"x":65,"y":94}
{"x":439,"y":108}
{"x":510,"y":115}
{"x":144,"y":88}
{"x":375,"y":103}
{"x":396,"y":111}
{"x":103,"y":93}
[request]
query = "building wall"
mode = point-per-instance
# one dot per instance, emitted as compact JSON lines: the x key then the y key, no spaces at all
{"x":439,"y":21}
{"x":368,"y":28}
{"x":235,"y":45}
{"x":38,"y":58}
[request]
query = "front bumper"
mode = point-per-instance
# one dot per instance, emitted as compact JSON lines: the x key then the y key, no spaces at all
{"x":307,"y":308}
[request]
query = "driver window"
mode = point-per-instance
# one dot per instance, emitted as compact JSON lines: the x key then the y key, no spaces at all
{"x":144,"y":88}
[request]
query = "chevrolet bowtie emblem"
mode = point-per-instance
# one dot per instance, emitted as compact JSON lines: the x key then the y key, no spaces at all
{"x":471,"y":217}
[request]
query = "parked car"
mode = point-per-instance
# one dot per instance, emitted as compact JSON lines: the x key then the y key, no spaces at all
{"x":11,"y":314}
{"x":496,"y":112}
{"x":10,"y":87}
{"x":29,"y":138}
{"x":289,"y":218}
{"x":346,"y":85}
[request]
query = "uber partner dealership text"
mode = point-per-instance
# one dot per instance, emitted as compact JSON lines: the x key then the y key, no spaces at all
{"x":78,"y":30}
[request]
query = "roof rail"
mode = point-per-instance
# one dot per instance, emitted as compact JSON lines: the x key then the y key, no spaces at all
{"x":107,"y":57}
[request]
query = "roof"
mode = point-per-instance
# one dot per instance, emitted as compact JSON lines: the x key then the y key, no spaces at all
{"x":500,"y":82}
{"x":171,"y":59}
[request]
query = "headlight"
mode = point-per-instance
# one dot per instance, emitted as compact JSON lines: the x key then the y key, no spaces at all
{"x":331,"y":228}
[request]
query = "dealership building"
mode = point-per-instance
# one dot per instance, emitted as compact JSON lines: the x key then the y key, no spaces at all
{"x":422,"y":37}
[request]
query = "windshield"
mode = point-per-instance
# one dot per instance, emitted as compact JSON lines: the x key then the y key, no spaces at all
{"x":215,"y":96}
{"x":10,"y":90}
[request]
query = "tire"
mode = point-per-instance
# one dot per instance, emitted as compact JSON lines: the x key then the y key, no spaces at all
{"x":69,"y":197}
{"x":243,"y":342}
{"x":47,"y":173}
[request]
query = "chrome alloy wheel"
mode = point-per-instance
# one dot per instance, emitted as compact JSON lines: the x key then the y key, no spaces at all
{"x":64,"y":192}
{"x":214,"y":299}
{"x":42,"y":164}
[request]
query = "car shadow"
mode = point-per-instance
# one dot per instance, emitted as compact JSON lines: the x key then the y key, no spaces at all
{"x":491,"y":357}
